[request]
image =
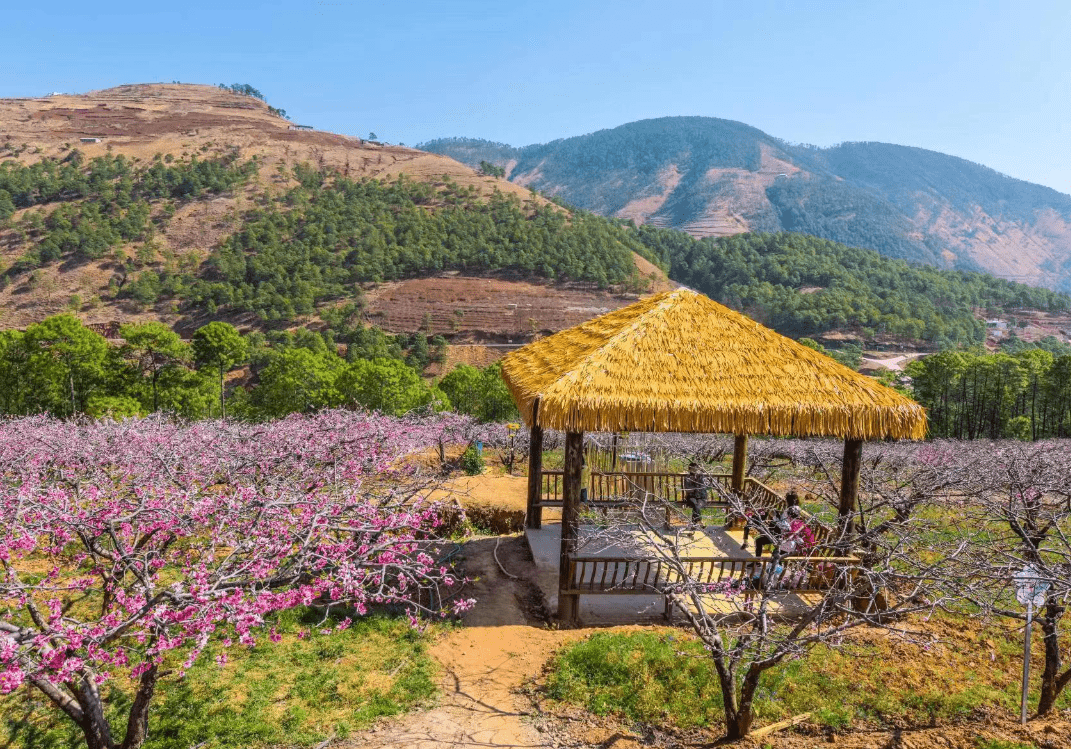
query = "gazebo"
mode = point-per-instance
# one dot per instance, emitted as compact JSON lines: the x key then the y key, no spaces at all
{"x":680,"y":362}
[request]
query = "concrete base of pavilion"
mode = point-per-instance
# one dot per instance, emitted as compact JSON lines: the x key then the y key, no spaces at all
{"x":595,"y":610}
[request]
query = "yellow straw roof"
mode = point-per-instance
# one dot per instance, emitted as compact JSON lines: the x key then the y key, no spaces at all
{"x":680,"y":362}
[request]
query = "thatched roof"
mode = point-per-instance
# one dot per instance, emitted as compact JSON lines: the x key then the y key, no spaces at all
{"x":680,"y":362}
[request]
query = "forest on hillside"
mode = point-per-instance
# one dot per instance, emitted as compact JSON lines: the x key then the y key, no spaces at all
{"x":644,"y":145}
{"x":318,"y":242}
{"x":803,"y":286}
{"x":903,"y":172}
{"x":832,"y":209}
{"x":312,"y":247}
{"x":604,"y":171}
{"x":82,"y":210}
{"x":976,"y":395}
{"x":329,"y":234}
{"x":472,"y":150}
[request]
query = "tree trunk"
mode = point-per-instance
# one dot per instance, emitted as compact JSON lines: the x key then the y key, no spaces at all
{"x":137,"y":726}
{"x":739,"y":725}
{"x":93,"y":738}
{"x":1033,"y":410}
{"x":1052,"y":681}
{"x":727,"y":682}
{"x":222,"y":402}
{"x":93,"y":724}
{"x":74,"y":408}
{"x":739,"y":713}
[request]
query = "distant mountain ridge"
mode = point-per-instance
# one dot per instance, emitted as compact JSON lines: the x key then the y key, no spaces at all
{"x":715,"y":177}
{"x":183,"y":204}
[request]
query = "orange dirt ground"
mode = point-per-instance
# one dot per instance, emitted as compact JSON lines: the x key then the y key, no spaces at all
{"x":507,"y":309}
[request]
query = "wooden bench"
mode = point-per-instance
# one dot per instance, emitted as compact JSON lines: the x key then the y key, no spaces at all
{"x":593,"y":575}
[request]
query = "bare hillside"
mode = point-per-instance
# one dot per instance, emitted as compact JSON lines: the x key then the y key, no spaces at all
{"x":143,"y":120}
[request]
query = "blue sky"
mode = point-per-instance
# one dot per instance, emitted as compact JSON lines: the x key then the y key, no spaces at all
{"x":987,"y":81}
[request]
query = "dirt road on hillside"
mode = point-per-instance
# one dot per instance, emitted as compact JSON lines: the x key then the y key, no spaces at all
{"x":896,"y":363}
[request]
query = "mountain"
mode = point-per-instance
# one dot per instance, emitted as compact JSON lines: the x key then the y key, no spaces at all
{"x":713,"y":177}
{"x":186,"y":203}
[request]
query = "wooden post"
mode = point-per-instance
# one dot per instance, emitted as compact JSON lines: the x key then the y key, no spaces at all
{"x":739,"y":462}
{"x":535,"y":478}
{"x":534,"y":512}
{"x":568,"y":605}
{"x":849,"y":483}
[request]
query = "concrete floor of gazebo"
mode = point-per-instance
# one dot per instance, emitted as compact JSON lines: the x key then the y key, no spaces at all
{"x":712,"y":541}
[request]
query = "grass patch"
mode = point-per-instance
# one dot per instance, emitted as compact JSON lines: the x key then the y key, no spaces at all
{"x":646,"y":677}
{"x":665,"y":678}
{"x":294,"y":693}
{"x":1000,"y":744}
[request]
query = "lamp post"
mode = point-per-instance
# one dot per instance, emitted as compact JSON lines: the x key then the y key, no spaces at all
{"x":1030,"y":591}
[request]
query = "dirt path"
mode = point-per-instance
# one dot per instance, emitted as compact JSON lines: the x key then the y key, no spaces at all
{"x":501,"y":645}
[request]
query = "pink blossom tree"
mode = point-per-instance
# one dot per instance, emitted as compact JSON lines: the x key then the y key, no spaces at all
{"x":128,"y":547}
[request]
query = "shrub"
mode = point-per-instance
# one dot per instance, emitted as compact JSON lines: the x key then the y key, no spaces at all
{"x":471,"y":461}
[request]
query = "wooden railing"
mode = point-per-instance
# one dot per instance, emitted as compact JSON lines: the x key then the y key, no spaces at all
{"x":553,"y":485}
{"x":639,"y":576}
{"x":620,"y":487}
{"x":759,"y":495}
{"x":762,"y":497}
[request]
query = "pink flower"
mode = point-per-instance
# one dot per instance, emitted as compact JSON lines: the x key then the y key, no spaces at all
{"x":11,"y":679}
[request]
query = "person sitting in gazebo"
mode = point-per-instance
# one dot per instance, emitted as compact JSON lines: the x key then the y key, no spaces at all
{"x":786,"y":530}
{"x":695,"y":492}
